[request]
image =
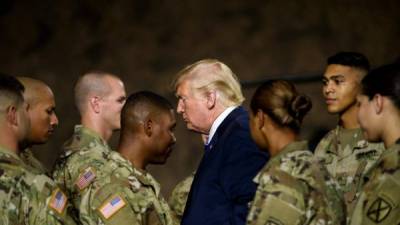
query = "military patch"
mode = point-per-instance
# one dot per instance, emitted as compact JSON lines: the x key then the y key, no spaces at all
{"x":379,"y":210}
{"x":85,"y":178}
{"x":58,"y":201}
{"x":111,"y":206}
{"x":370,"y":154}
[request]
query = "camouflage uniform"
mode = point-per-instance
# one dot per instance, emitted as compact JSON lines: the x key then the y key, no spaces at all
{"x":347,"y":156}
{"x":379,"y":201}
{"x":293,"y":188}
{"x":179,"y":196}
{"x":29,"y":198}
{"x":81,"y":164}
{"x":29,"y":159}
{"x":104,"y":186}
{"x":139,"y":192}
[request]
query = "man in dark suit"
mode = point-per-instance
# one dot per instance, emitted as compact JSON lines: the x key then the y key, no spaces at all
{"x":209,"y":101}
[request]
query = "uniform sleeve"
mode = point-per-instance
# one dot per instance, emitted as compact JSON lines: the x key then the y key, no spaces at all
{"x":278,"y":200}
{"x":379,"y":202}
{"x":112,"y":204}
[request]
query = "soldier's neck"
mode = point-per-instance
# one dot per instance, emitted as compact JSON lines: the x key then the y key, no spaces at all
{"x":131,"y":151}
{"x":97,"y":127}
{"x":391,"y":132}
{"x":9,"y":143}
{"x":280,"y":140}
{"x":348,"y":119}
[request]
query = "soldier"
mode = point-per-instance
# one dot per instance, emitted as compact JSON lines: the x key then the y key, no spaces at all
{"x":292,"y":187}
{"x":25,"y":197}
{"x":147,"y":137}
{"x":379,"y":116}
{"x":99,"y":98}
{"x":344,"y":151}
{"x":41,"y":111}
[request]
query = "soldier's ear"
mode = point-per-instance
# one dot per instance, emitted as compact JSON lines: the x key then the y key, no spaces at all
{"x":11,"y":115}
{"x":94,"y":103}
{"x":148,"y":127}
{"x":260,"y":117}
{"x":378,"y":103}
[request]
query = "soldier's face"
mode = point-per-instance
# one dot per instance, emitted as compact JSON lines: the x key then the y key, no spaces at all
{"x":113,"y":103}
{"x":193,"y":108}
{"x":368,"y":118}
{"x":341,"y":84}
{"x":163,"y":137}
{"x":43,"y":117}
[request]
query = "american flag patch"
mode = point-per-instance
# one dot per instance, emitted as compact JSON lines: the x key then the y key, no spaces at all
{"x":111,"y":206}
{"x":85,"y":178}
{"x":58,"y":201}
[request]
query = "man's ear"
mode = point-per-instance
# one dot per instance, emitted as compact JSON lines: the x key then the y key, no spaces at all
{"x":378,"y":103}
{"x":95,"y":103}
{"x":12,"y":115}
{"x":211,"y":99}
{"x":148,"y":127}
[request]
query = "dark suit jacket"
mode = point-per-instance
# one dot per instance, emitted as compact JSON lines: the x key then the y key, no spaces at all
{"x":223,"y":185}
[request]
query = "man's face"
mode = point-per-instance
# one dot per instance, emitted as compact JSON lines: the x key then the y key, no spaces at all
{"x":193,"y":108}
{"x":368,"y":119}
{"x":341,"y":84}
{"x":43,"y":117}
{"x":163,"y":137}
{"x":113,"y":103}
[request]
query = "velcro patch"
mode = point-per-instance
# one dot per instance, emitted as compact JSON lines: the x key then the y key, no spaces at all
{"x":58,"y":201}
{"x":111,"y":206}
{"x":85,"y":178}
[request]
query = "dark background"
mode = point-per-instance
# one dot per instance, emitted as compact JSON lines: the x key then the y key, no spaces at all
{"x":147,"y":42}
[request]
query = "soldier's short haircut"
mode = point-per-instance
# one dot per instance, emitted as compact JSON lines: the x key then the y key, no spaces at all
{"x":34,"y":88}
{"x":351,"y":59}
{"x":91,"y":83}
{"x":11,"y":92}
{"x":384,"y":80}
{"x":139,"y":105}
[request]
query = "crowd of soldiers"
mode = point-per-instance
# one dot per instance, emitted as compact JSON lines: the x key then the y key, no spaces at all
{"x":352,"y":177}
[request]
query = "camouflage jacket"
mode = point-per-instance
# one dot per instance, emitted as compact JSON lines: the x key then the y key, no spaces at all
{"x":295,"y":189}
{"x":29,"y":198}
{"x":80,"y":166}
{"x":347,"y":156}
{"x":179,"y":195}
{"x":138,"y":194}
{"x":29,"y":159}
{"x":104,"y":186}
{"x":379,"y":201}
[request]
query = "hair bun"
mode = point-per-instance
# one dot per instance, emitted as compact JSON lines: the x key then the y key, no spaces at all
{"x":299,"y":107}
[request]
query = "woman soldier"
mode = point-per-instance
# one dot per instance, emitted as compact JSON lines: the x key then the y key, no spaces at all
{"x":292,"y":187}
{"x":379,"y":117}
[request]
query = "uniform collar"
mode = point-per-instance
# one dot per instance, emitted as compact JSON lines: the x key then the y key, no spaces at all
{"x":6,"y":153}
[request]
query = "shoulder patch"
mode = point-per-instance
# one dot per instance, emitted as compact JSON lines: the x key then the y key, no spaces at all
{"x":379,"y":210}
{"x":58,"y":201}
{"x":111,"y":206}
{"x":85,"y":178}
